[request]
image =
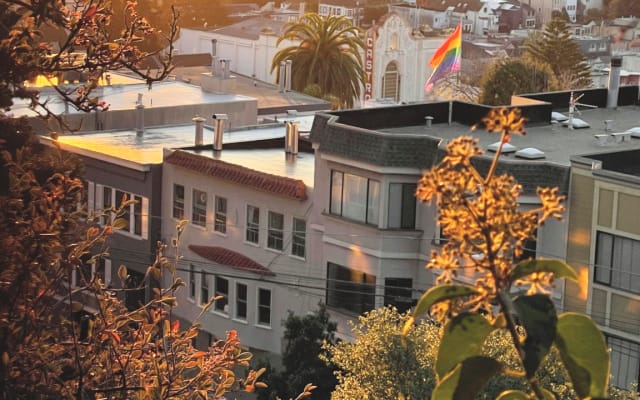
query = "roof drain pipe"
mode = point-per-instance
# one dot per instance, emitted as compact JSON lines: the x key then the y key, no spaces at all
{"x":219,"y":130}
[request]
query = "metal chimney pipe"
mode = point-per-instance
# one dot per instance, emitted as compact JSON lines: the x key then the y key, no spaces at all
{"x":226,"y":72}
{"x":295,"y":136}
{"x":287,"y":136}
{"x":287,"y":76}
{"x":219,"y":130}
{"x":139,"y":118}
{"x":281,"y":77}
{"x":214,"y":57}
{"x":199,"y":130}
{"x":614,"y":82}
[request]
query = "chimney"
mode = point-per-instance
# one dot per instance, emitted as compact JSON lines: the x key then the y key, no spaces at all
{"x":139,"y":117}
{"x":614,"y":82}
{"x":291,"y":138}
{"x":214,"y":57}
{"x":219,"y":130}
{"x":287,"y":76}
{"x":199,"y":130}
{"x":226,"y":67}
{"x":281,"y":77}
{"x":302,"y":9}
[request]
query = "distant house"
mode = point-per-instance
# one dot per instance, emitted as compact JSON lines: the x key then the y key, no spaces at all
{"x":351,"y":9}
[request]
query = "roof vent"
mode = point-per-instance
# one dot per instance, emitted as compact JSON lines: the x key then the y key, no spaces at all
{"x":530,"y":153}
{"x":506,"y":148}
{"x":217,"y":135}
{"x":199,"y":121}
{"x":576,"y":123}
{"x":635,"y":132}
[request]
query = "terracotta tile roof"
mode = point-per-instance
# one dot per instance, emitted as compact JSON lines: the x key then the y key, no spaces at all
{"x":223,"y":256}
{"x":280,"y":185}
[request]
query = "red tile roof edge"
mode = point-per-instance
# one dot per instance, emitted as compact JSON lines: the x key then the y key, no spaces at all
{"x":280,"y":185}
{"x":221,"y":255}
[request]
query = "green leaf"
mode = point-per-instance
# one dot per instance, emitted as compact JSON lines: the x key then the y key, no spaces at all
{"x":441,"y":293}
{"x":467,"y":379}
{"x":560,"y":269}
{"x":513,"y":395}
{"x":584,"y":353}
{"x":463,"y":337}
{"x":538,"y":316}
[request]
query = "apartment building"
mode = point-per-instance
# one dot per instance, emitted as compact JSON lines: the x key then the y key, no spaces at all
{"x":603,"y":244}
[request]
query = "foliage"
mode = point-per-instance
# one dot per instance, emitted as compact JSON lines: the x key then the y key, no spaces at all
{"x":481,"y":216}
{"x":84,"y":46}
{"x":47,"y":352}
{"x":511,"y":76}
{"x":301,"y":358}
{"x":561,"y":53}
{"x":328,"y":55}
{"x":382,"y":363}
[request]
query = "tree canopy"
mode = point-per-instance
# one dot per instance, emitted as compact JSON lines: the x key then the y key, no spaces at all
{"x":328,"y":55}
{"x":511,"y":76}
{"x":561,"y":53}
{"x":304,"y":337}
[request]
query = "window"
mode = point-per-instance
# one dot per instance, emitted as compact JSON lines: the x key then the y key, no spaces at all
{"x":402,"y":205}
{"x":204,"y":288}
{"x":391,"y":82}
{"x":199,"y":216}
{"x":178,"y":201}
{"x":221,"y":289}
{"x":93,"y":268}
{"x":275,"y":234}
{"x":617,"y":262}
{"x":253,"y":224}
{"x":192,"y":282}
{"x":220,"y":224}
{"x":241,"y":301}
{"x":625,"y":364}
{"x":264,"y":307}
{"x":349,"y":289}
{"x":134,"y":214}
{"x":355,"y":197}
{"x":397,"y":292}
{"x":299,"y":238}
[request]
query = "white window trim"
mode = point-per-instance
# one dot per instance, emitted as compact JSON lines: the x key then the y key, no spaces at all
{"x":214,"y":310}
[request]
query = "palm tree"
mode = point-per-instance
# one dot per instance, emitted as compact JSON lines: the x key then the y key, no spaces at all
{"x":328,"y":56}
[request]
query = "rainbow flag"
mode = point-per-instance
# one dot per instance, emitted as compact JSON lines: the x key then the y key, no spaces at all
{"x":446,"y":59}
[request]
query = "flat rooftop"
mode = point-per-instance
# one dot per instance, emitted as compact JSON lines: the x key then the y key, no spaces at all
{"x":557,"y":142}
{"x":259,"y":147}
{"x":125,"y":96}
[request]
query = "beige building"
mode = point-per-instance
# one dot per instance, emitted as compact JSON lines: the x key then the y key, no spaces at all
{"x":604,"y":247}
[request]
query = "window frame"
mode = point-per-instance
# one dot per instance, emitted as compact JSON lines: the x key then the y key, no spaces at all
{"x":275,"y":234}
{"x":204,"y":285}
{"x":220,"y":216}
{"x":616,"y":275}
{"x":192,"y":282}
{"x":242,"y":303}
{"x":369,"y":204}
{"x":407,"y":206}
{"x":252,"y":229}
{"x":178,"y":202}
{"x":298,"y":238}
{"x":260,"y":307}
{"x":349,"y":296}
{"x":199,"y":207}
{"x":219,"y":305}
{"x":136,"y":214}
